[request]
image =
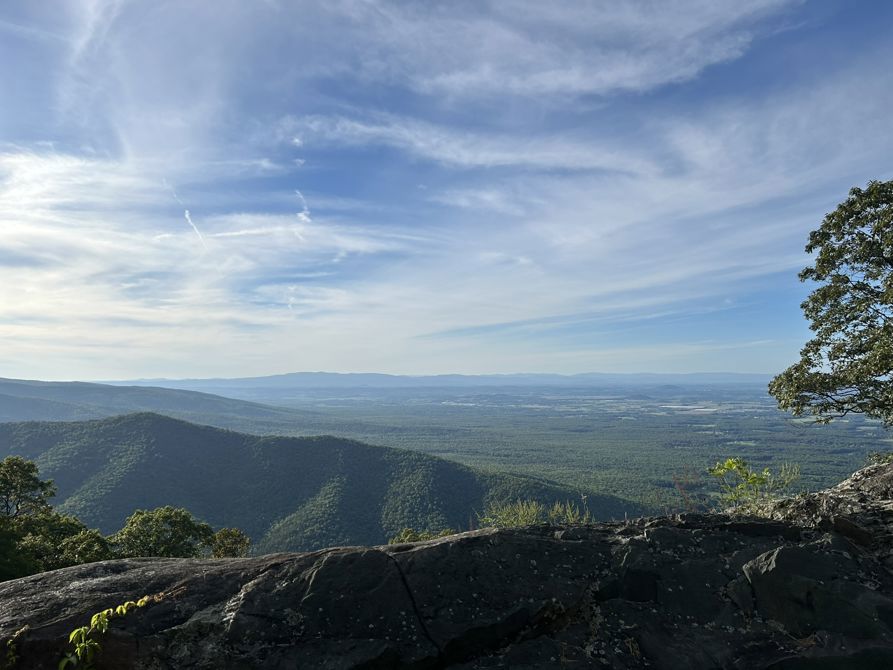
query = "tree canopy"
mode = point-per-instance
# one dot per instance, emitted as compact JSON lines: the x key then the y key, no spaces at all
{"x":34,"y":537}
{"x":166,"y":531}
{"x":21,"y":490}
{"x":847,"y":367}
{"x":230,"y":543}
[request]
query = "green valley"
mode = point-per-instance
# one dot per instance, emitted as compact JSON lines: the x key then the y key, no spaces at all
{"x":286,"y":493}
{"x":628,"y":436}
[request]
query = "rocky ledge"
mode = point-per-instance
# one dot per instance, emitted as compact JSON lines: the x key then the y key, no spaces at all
{"x":810,"y":588}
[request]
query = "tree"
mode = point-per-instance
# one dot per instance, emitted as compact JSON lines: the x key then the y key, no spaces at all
{"x":13,"y":563}
{"x":166,"y":531}
{"x":43,"y":538}
{"x":87,"y":546}
{"x":21,"y":490}
{"x":848,"y":365}
{"x":33,"y":536}
{"x":230,"y":543}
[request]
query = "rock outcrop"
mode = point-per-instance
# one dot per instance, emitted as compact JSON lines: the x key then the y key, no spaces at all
{"x":810,"y":588}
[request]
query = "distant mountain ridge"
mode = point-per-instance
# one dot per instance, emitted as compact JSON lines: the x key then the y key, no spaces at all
{"x":288,"y":494}
{"x":284,"y":389}
{"x":29,"y":400}
{"x":380,"y":380}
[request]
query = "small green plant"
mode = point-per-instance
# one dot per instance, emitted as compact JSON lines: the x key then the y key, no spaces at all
{"x":513,"y":514}
{"x":749,"y":491}
{"x":412,"y":535}
{"x":569,"y":513}
{"x":11,"y":653}
{"x":880,"y":457}
{"x":84,"y":640}
{"x":531,"y":512}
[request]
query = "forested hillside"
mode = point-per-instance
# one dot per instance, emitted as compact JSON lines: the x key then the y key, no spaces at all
{"x":286,"y":493}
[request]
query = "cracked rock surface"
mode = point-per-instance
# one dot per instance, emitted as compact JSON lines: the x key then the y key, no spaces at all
{"x":810,"y":588}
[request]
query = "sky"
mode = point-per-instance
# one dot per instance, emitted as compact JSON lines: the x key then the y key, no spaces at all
{"x":235,"y":188}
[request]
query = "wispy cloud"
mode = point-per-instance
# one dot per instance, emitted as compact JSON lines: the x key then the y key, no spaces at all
{"x":412,"y":183}
{"x":535,"y":49}
{"x":470,"y":149}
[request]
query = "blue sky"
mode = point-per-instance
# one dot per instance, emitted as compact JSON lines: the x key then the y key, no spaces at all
{"x":244,"y":188}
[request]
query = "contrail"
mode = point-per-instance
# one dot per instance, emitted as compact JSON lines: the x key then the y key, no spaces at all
{"x":195,"y":228}
{"x":305,"y":215}
{"x":186,"y":212}
{"x":172,"y":190}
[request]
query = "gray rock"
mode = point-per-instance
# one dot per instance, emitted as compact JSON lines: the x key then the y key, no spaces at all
{"x":801,"y":590}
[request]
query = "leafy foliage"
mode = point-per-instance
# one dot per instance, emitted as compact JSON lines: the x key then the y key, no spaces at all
{"x":85,"y":639}
{"x":47,"y":540}
{"x":34,"y":537}
{"x":9,"y":650}
{"x":166,"y":531}
{"x":87,"y":546}
{"x":569,"y":513}
{"x":749,"y":491}
{"x":13,"y":562}
{"x":880,"y":458}
{"x":22,"y":492}
{"x":848,"y":365}
{"x":230,"y":543}
{"x":51,"y":540}
{"x":411,"y":535}
{"x":531,"y":512}
{"x":513,"y":514}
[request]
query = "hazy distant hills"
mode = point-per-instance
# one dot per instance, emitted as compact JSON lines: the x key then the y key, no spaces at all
{"x":374,"y":380}
{"x":283,"y":389}
{"x":286,"y":493}
{"x":23,"y":400}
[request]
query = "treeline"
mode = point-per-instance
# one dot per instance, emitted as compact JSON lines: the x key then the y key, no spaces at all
{"x":34,"y":537}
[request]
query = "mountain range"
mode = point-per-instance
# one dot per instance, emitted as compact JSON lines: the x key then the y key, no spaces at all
{"x":39,"y":400}
{"x":287,"y":494}
{"x":379,"y":380}
{"x":28,"y":400}
{"x":237,"y":387}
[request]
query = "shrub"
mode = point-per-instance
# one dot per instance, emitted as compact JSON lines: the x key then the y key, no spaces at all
{"x":412,"y":535}
{"x":747,"y":491}
{"x":569,"y":513}
{"x":513,"y":514}
{"x":230,"y":543}
{"x":531,"y":512}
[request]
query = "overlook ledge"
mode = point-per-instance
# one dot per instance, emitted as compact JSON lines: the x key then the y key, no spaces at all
{"x":810,"y":588}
